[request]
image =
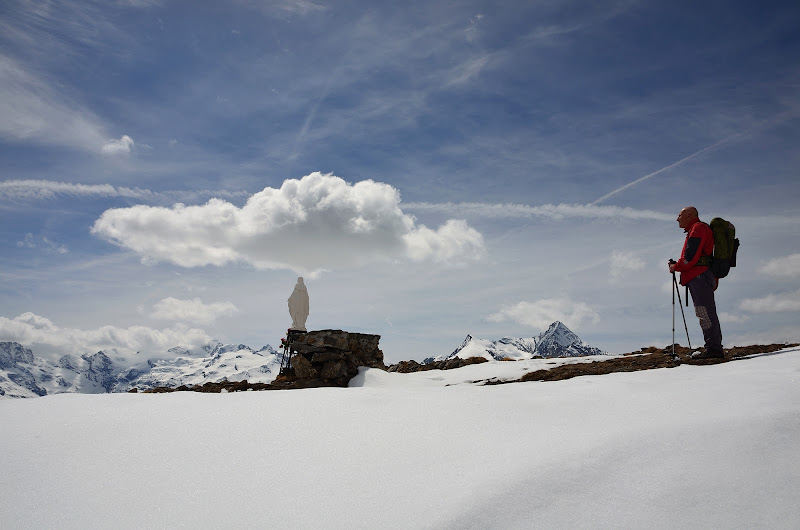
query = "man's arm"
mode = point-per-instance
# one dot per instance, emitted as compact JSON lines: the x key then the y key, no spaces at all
{"x":697,"y":239}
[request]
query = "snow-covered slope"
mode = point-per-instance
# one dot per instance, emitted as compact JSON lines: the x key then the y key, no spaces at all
{"x":687,"y":447}
{"x":227,"y":363}
{"x":557,"y":341}
{"x":22,"y":374}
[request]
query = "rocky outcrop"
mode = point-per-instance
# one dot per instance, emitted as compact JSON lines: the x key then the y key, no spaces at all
{"x":330,"y":357}
{"x":12,"y":353}
{"x":16,"y":363}
{"x":407,"y":367}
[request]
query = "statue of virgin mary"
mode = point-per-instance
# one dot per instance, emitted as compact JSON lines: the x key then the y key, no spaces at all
{"x":298,"y":306}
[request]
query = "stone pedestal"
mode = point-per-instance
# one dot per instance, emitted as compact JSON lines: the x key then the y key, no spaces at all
{"x":330,"y":357}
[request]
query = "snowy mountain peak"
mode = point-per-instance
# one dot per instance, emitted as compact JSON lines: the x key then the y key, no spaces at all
{"x":12,"y":353}
{"x":22,"y":374}
{"x":557,"y":341}
{"x":559,"y":334}
{"x":233,"y":348}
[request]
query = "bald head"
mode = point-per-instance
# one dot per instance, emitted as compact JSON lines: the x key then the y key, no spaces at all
{"x":687,"y":216}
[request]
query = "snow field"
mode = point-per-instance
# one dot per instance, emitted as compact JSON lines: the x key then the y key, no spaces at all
{"x":693,"y":446}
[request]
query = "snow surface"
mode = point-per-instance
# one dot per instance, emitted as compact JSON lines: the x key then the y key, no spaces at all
{"x":692,"y":446}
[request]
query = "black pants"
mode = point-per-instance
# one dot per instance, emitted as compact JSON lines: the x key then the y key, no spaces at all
{"x":702,"y":289}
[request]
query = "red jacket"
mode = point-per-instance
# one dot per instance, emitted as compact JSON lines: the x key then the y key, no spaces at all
{"x":699,"y":242}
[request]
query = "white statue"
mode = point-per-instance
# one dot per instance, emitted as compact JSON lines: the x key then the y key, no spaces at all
{"x":298,"y":306}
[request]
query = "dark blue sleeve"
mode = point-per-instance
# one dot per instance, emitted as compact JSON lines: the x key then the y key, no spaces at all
{"x":692,"y":246}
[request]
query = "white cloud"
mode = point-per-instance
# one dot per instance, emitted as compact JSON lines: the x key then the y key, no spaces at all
{"x":194,"y":311}
{"x":300,"y":7}
{"x":46,"y":244}
{"x":34,"y":330}
{"x":730,"y":318}
{"x":33,"y":111}
{"x":315,"y":223}
{"x":550,"y":211}
{"x":118,"y":147}
{"x":784,"y":267}
{"x":452,"y":242}
{"x":542,"y":313}
{"x":282,"y":8}
{"x":623,"y":263}
{"x":28,"y":242}
{"x":473,"y":31}
{"x":466,"y":71}
{"x":773,"y":303}
{"x":779,"y":335}
{"x":50,"y":189}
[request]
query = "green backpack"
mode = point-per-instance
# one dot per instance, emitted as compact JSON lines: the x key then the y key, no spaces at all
{"x":726,"y":244}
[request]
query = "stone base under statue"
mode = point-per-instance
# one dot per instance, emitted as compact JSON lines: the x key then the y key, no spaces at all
{"x":329,"y":357}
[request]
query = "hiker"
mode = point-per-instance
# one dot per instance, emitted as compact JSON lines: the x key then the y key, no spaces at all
{"x":698,"y":277}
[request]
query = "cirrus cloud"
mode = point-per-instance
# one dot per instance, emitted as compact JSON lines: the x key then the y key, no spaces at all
{"x":35,"y":111}
{"x":542,"y":313}
{"x":308,"y":225}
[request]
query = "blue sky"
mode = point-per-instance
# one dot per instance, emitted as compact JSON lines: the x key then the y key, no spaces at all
{"x":432,"y":169}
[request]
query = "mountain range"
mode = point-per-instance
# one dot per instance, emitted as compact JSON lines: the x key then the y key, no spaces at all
{"x":557,"y":341}
{"x":22,"y":374}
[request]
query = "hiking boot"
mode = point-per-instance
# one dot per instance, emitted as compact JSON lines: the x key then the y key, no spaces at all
{"x":708,"y":355}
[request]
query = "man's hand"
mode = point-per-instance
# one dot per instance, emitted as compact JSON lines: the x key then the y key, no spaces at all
{"x":672,"y":266}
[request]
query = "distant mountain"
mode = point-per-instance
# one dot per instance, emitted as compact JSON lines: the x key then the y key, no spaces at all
{"x":22,"y":374}
{"x":557,"y":341}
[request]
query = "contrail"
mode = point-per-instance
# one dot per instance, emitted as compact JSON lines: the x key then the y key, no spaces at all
{"x":654,"y":173}
{"x":764,"y":124}
{"x":19,"y":189}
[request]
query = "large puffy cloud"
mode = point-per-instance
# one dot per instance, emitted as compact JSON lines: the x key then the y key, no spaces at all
{"x":36,"y":331}
{"x":194,"y":310}
{"x":315,"y":223}
{"x":542,"y":313}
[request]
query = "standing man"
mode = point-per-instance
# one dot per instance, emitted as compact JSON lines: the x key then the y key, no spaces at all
{"x":697,"y":276}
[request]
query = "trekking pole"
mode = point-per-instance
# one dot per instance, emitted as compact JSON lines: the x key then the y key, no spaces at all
{"x":680,"y":303}
{"x":673,"y":319}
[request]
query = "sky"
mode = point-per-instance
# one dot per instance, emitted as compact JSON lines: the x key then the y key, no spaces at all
{"x":431,"y":169}
{"x":623,"y":450}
